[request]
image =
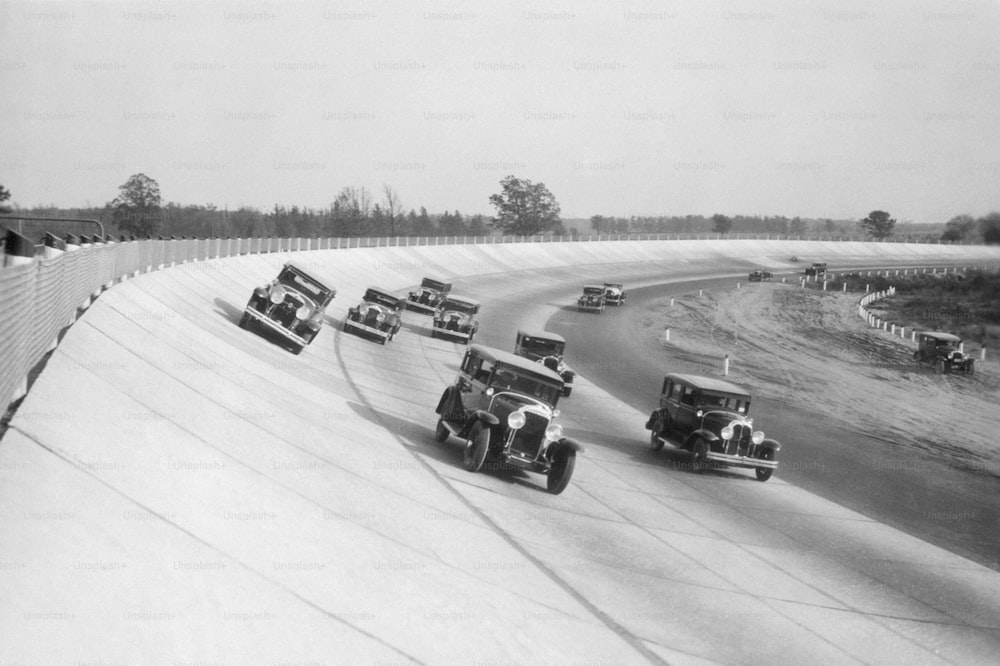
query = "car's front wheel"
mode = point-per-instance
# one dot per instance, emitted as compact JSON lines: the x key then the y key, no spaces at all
{"x":561,"y":471}
{"x":656,"y":429}
{"x":699,"y":456}
{"x":245,"y":320}
{"x":476,"y":448}
{"x":941,"y":367}
{"x":764,"y":473}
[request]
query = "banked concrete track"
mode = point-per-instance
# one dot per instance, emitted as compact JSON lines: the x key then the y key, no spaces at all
{"x":175,"y":490}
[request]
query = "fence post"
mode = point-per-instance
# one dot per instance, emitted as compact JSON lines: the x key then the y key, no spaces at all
{"x":725,"y":366}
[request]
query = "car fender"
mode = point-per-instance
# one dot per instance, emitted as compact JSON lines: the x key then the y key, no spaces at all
{"x":565,"y":442}
{"x":701,"y":433}
{"x":652,"y":419}
{"x":486,"y":418}
{"x":260,"y":292}
{"x":771,"y":444}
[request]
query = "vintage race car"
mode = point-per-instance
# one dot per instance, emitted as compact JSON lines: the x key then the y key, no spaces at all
{"x":943,"y":351}
{"x":592,"y":299}
{"x":818,"y":268}
{"x":614,"y":294}
{"x":377,"y":315}
{"x":456,"y":318}
{"x":504,"y":406}
{"x":710,"y":418}
{"x":428,"y":296}
{"x":546,"y":348}
{"x":291,"y":306}
{"x":760,"y":276}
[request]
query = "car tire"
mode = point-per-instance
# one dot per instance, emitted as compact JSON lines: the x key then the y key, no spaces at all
{"x":561,"y":471}
{"x":655,"y":431}
{"x":297,"y":349}
{"x":245,"y":321}
{"x":567,"y":390}
{"x":764,"y":473}
{"x":941,"y":367}
{"x":699,"y":456}
{"x":440,"y":431}
{"x":476,"y":448}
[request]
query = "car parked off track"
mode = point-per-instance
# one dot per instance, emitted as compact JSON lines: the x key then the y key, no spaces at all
{"x":942,"y":350}
{"x":710,"y":418}
{"x":760,"y":276}
{"x":291,"y":305}
{"x":504,"y":407}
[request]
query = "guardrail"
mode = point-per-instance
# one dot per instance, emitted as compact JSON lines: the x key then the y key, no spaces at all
{"x":43,"y":289}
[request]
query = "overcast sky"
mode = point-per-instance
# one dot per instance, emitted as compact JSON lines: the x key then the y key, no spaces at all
{"x":817,"y":109}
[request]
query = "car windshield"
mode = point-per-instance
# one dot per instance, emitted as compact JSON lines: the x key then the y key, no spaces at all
{"x":593,"y":290}
{"x":542,"y":346}
{"x":291,"y":278}
{"x":428,"y":283}
{"x":709,"y":400}
{"x":460,"y":306}
{"x":505,"y":378}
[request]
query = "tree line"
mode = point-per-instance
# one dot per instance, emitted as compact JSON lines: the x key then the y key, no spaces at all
{"x":523,"y":208}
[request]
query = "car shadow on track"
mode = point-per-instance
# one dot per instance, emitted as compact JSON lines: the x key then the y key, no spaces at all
{"x":670,"y":458}
{"x":419,"y":438}
{"x":228,"y":310}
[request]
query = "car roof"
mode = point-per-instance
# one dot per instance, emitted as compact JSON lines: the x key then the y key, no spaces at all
{"x":709,"y":383}
{"x":593,"y":286}
{"x":381,"y":292}
{"x":519,"y":362}
{"x":536,"y":333}
{"x":612,"y":284}
{"x":937,"y":335}
{"x":311,"y":276}
{"x":461,"y":299}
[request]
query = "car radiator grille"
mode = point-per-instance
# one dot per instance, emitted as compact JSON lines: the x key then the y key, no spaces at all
{"x":371,"y":319}
{"x":740,"y":443}
{"x":528,"y":439}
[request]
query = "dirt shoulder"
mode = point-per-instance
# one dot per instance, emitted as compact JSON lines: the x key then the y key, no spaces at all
{"x":811,"y":350}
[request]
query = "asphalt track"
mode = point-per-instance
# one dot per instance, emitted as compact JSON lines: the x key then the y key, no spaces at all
{"x":177,"y":490}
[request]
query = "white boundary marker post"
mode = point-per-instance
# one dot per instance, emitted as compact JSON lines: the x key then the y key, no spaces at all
{"x":725,"y":366}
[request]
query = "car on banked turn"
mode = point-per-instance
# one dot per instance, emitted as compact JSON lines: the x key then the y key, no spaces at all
{"x":378,"y":315}
{"x":504,"y":407}
{"x":710,"y":418}
{"x":548,"y":349}
{"x":291,"y":305}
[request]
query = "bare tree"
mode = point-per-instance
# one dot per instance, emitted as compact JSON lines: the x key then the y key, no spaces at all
{"x":393,"y":206}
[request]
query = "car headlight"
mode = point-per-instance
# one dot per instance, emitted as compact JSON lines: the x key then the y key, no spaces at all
{"x":302,"y":313}
{"x":727,"y":433}
{"x":277,"y":296}
{"x":757,"y":437}
{"x":516,"y":420}
{"x":363,"y":310}
{"x":554,"y":431}
{"x":380,"y":317}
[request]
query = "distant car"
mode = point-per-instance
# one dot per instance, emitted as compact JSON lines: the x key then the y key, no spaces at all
{"x":546,"y":348}
{"x":291,"y":305}
{"x":378,"y":315}
{"x":760,"y":276}
{"x":428,"y":296}
{"x":592,"y":299}
{"x":455,"y":317}
{"x":614,"y":294}
{"x":942,"y":351}
{"x":711,"y":418}
{"x":504,"y":407}
{"x":817,"y":268}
